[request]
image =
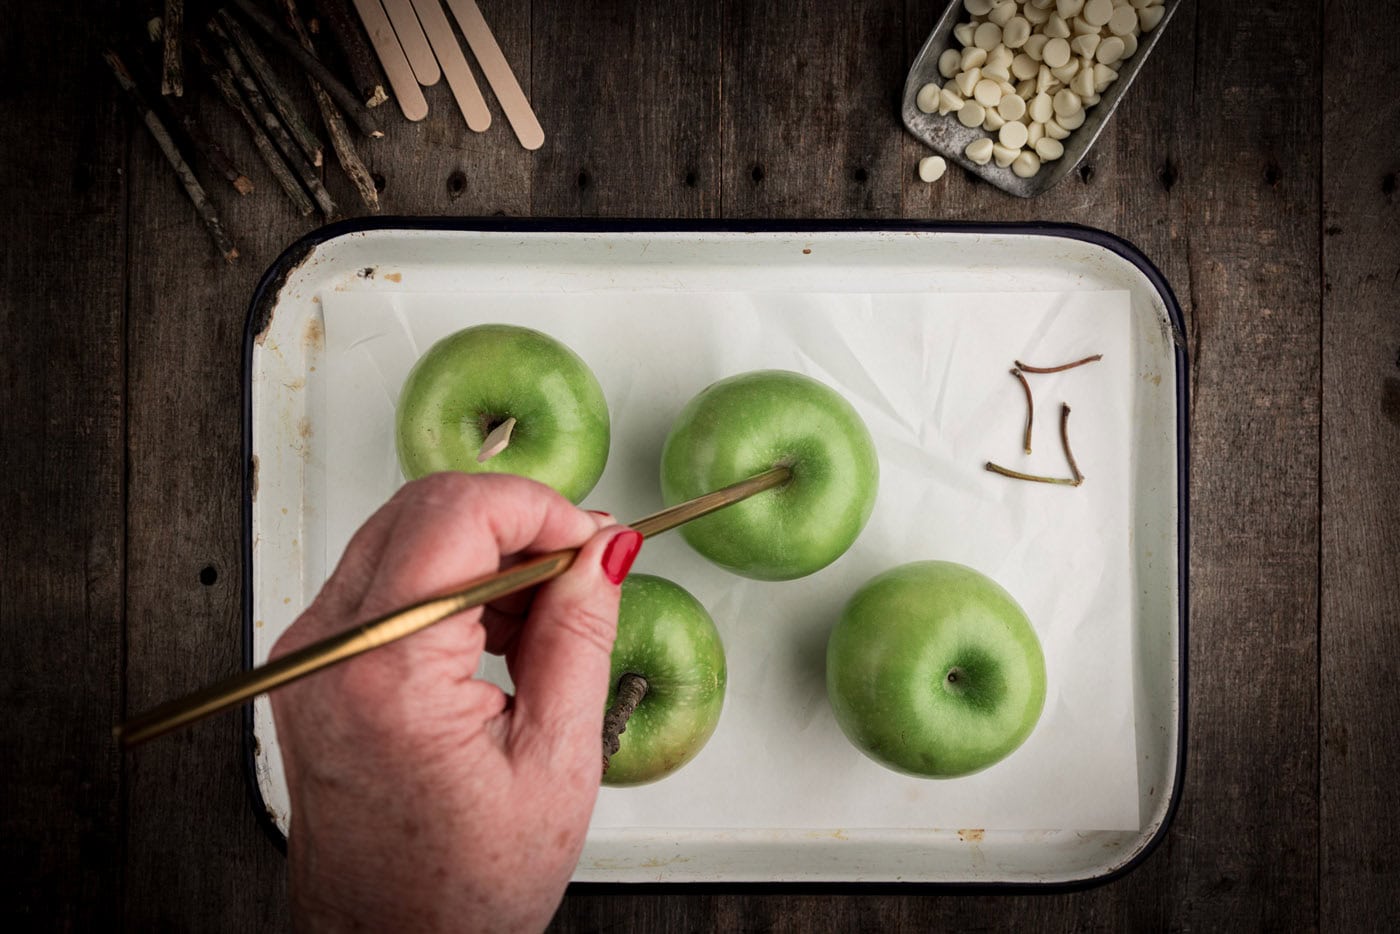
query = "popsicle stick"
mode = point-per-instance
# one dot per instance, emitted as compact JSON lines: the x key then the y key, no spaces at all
{"x":414,"y":43}
{"x":498,"y":74}
{"x":454,"y":64}
{"x":396,"y":67}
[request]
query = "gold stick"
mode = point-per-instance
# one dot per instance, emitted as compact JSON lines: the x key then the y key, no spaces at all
{"x":247,"y":684}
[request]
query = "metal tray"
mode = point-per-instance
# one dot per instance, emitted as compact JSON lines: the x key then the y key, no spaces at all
{"x":285,"y":497}
{"x":949,"y":138}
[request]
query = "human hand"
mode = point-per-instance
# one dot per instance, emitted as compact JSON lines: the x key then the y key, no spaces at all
{"x":421,"y":797}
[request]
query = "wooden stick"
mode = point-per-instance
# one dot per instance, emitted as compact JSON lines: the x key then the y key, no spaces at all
{"x":345,"y":151}
{"x":276,"y":91}
{"x":172,"y":80}
{"x":454,"y":64}
{"x":258,"y":104}
{"x":210,"y":150}
{"x":246,"y":685}
{"x":364,"y":67}
{"x":172,"y":155}
{"x":223,"y":80}
{"x":411,"y":39}
{"x":498,"y":74}
{"x":352,"y":107}
{"x":386,"y":45}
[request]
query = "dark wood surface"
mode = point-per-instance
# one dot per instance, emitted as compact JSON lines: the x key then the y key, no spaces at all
{"x":1255,"y":161}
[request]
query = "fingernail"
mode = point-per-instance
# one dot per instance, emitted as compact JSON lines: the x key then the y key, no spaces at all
{"x":619,"y":555}
{"x":600,"y":514}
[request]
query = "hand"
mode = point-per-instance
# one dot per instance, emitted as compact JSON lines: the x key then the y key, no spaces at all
{"x":421,"y":797}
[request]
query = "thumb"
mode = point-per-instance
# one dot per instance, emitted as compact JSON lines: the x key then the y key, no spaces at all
{"x":563,"y":656}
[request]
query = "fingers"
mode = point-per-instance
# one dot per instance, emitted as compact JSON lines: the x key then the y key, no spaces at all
{"x":562,"y":654}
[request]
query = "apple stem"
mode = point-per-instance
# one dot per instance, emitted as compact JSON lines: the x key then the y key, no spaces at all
{"x":1030,"y":407}
{"x":496,"y":441}
{"x":1064,"y":436}
{"x":630,"y":691}
{"x":1057,"y":369}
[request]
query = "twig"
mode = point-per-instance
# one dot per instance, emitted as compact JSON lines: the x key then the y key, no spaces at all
{"x":353,"y":108}
{"x":276,"y":91}
{"x":1017,"y":475}
{"x":172,"y":155}
{"x":364,"y":66}
{"x":1064,"y":436}
{"x":1057,"y":369}
{"x":630,"y":691}
{"x":345,"y":151}
{"x":223,"y":80}
{"x":211,"y":150}
{"x":172,"y":80}
{"x":1030,"y":407}
{"x":258,"y":104}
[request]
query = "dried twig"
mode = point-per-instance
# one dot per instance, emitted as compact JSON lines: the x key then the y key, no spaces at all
{"x":172,"y":154}
{"x":1030,"y":407}
{"x":210,"y":150}
{"x":630,"y":691}
{"x":276,"y":91}
{"x":352,"y":107}
{"x":223,"y":80}
{"x":1064,"y":436}
{"x":258,"y":104}
{"x":172,"y":80}
{"x":345,"y":151}
{"x":1057,"y":369}
{"x":364,"y":66}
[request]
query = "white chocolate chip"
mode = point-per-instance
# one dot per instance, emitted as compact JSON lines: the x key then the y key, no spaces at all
{"x":1097,"y":12}
{"x":992,"y":121}
{"x":1083,"y":83}
{"x":1110,"y":50}
{"x":1001,"y":57}
{"x":949,"y":63}
{"x":1002,"y":13}
{"x":1011,"y":107}
{"x":1123,"y":21}
{"x":1056,"y":52}
{"x":1049,"y":149}
{"x":1069,"y":8}
{"x":1149,"y":17}
{"x":1017,"y":30}
{"x":979,"y":150}
{"x":987,"y":93}
{"x":997,"y":72}
{"x":1082,"y":45}
{"x":1056,"y":27}
{"x":1034,"y":134}
{"x":1130,"y":44}
{"x":1003,"y":155}
{"x":1103,"y":77}
{"x":1072,"y":120}
{"x":949,"y":101}
{"x":1035,"y":46}
{"x":1035,"y":15}
{"x":1066,"y":71}
{"x":978,"y":7}
{"x":1026,"y":165}
{"x":931,"y":168}
{"x":1082,"y":28}
{"x":1013,"y":134}
{"x":971,"y":114}
{"x":967,"y":80}
{"x":1042,"y":108}
{"x":1054,"y":130}
{"x":1067,"y":102}
{"x":964,"y":32}
{"x":987,"y":36}
{"x":972,"y":58}
{"x":927,"y":98}
{"x":1023,"y":67}
{"x":1026,"y":90}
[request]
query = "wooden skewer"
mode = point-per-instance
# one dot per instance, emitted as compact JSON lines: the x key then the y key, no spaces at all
{"x":394,"y":626}
{"x":498,"y":74}
{"x":454,"y":64}
{"x":413,"y":42}
{"x":396,"y":67}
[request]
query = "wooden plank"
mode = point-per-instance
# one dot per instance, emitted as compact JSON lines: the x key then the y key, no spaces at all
{"x":1360,"y":879}
{"x":61,"y":554}
{"x":630,"y":108}
{"x":808,"y":116}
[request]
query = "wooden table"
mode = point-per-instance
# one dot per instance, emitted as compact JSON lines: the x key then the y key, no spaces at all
{"x":1255,"y":162}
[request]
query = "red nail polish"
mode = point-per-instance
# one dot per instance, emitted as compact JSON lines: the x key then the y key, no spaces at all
{"x":619,"y":555}
{"x":599,"y":513}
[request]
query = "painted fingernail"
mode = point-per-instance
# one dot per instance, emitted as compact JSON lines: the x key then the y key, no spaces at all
{"x":619,"y":555}
{"x":600,"y":514}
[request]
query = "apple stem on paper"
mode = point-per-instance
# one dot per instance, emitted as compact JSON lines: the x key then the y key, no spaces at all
{"x":630,"y":691}
{"x":496,"y":441}
{"x":1030,"y":407}
{"x":1064,"y":436}
{"x":1057,"y":369}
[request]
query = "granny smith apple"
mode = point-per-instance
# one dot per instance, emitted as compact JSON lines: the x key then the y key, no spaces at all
{"x":666,"y":639}
{"x":748,"y":423}
{"x":504,"y":399}
{"x":934,"y":670}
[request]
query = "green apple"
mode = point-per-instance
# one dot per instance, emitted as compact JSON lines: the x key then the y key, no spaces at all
{"x":667,"y":638}
{"x":460,"y":396}
{"x":934,"y":670}
{"x":748,"y":423}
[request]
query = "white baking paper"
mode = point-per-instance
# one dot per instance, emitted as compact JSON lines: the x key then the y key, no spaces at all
{"x":929,"y":373}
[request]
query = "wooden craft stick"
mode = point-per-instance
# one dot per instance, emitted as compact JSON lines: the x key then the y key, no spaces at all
{"x":411,"y":39}
{"x":396,"y":67}
{"x":454,"y":64}
{"x":498,"y":74}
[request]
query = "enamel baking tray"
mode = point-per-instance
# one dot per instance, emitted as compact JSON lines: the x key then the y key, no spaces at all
{"x":398,"y":260}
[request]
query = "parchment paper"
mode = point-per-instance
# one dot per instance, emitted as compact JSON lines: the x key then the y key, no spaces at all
{"x":929,"y":373}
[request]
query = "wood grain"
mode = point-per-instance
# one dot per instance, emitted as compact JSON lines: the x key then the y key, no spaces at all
{"x":62,"y":279}
{"x":1360,"y":642}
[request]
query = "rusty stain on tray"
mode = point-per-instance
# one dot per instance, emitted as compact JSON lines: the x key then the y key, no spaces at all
{"x":394,"y":276}
{"x":973,"y":835}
